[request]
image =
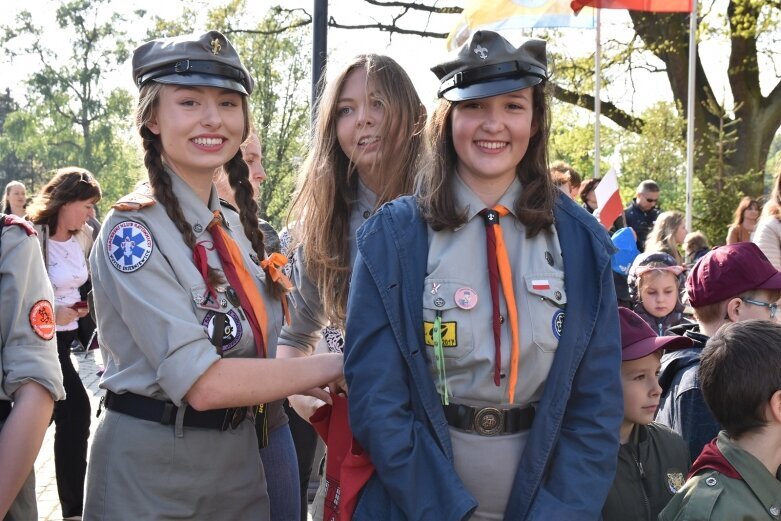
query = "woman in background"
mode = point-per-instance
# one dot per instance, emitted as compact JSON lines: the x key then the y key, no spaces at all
{"x":745,"y":221}
{"x":14,"y":199}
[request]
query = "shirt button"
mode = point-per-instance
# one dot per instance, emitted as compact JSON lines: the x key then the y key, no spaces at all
{"x":197,"y":228}
{"x":774,"y":511}
{"x":366,"y":214}
{"x":710,"y":481}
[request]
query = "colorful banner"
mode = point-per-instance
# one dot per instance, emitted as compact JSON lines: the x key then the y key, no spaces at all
{"x":508,"y":15}
{"x":609,"y":203}
{"x":654,"y":6}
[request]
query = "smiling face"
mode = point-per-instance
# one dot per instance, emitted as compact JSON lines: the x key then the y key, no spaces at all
{"x":491,"y":136}
{"x":200,"y":128}
{"x":360,"y":114}
{"x":640,"y":381}
{"x":659,"y":292}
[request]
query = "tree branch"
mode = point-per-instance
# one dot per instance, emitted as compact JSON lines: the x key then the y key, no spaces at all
{"x":586,"y":101}
{"x":386,"y":28}
{"x":417,"y":7}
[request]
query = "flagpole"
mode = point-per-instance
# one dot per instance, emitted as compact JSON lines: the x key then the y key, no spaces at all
{"x":597,"y":88}
{"x":690,"y":113}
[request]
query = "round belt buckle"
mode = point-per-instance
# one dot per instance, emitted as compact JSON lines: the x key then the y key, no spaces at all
{"x":489,"y":421}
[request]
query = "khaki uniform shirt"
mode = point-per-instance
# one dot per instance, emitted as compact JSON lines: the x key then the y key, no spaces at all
{"x":457,"y":263}
{"x":25,"y":355}
{"x":711,"y":496}
{"x":308,"y":318}
{"x":155,"y":316}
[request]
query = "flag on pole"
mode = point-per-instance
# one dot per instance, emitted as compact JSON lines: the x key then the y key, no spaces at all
{"x":507,"y":15}
{"x":655,"y":6}
{"x":609,"y":202}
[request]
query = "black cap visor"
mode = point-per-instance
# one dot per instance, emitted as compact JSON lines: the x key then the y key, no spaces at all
{"x":202,"y":80}
{"x":490,"y":88}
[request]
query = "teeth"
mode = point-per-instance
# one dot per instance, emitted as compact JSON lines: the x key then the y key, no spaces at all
{"x":207,"y":141}
{"x":368,"y":140}
{"x":493,"y":145}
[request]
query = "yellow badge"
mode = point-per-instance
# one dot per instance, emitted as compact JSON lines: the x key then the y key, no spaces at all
{"x":675,"y":480}
{"x":449,"y":334}
{"x":216,"y":46}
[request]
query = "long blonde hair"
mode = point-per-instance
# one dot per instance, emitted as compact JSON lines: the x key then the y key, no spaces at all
{"x":662,"y":236}
{"x":328,"y":180}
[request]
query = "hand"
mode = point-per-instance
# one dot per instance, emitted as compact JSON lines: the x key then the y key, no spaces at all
{"x":83,"y":312}
{"x":306,"y":405}
{"x":338,"y":386}
{"x":65,"y":315}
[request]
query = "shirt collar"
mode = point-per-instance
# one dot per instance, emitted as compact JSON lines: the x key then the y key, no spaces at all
{"x":197,"y":215}
{"x":365,"y":198}
{"x":753,"y":472}
{"x":467,"y":199}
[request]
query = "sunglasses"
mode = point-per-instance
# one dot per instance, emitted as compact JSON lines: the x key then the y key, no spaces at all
{"x":675,"y":270}
{"x":648,"y":199}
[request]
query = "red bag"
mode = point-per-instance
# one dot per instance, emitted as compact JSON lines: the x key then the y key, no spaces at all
{"x":347,"y":466}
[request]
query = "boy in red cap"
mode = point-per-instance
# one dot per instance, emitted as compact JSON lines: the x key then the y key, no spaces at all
{"x":653,"y":460}
{"x":729,"y":284}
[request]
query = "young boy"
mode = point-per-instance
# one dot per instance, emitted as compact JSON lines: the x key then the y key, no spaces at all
{"x":729,"y":284}
{"x":735,"y":476}
{"x":653,"y":460}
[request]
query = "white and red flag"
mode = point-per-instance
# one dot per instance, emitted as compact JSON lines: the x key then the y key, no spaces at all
{"x":609,"y":202}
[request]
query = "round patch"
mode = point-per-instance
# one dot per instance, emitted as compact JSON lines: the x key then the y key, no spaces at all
{"x":42,"y":319}
{"x":466,"y":298}
{"x":232,"y":332}
{"x":129,"y":246}
{"x":557,"y":324}
{"x":439,"y":302}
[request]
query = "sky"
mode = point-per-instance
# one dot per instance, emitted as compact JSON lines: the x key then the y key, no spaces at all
{"x":414,"y":53}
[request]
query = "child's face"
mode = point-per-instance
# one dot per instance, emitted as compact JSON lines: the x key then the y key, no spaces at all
{"x":491,"y":136}
{"x":640,"y":380}
{"x":359,"y":117}
{"x":659,"y":293}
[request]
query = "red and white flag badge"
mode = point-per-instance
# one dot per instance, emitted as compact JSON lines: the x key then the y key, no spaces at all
{"x":42,"y":319}
{"x":541,"y":284}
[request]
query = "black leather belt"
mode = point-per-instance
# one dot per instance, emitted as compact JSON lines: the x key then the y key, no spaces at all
{"x":145,"y":408}
{"x":489,"y":421}
{"x":5,"y":410}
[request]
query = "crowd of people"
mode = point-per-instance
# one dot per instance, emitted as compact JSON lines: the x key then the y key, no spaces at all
{"x":554,"y":373}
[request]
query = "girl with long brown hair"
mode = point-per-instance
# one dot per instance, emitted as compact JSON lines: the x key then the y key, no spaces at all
{"x":745,"y":221}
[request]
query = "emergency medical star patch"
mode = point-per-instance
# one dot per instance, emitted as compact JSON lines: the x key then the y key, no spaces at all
{"x":129,"y":246}
{"x":42,"y":319}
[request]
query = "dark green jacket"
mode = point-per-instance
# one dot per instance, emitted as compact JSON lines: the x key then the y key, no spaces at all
{"x":711,"y":496}
{"x":652,"y":466}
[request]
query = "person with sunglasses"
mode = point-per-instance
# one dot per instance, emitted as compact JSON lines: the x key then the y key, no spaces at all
{"x":642,"y":212}
{"x":730,"y":283}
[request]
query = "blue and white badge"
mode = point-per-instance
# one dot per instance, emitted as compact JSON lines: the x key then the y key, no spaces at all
{"x":557,"y":324}
{"x":232,"y":332}
{"x":129,"y":246}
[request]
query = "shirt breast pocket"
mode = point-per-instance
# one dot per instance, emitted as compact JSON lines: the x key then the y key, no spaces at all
{"x":453,"y":302}
{"x":547,"y":302}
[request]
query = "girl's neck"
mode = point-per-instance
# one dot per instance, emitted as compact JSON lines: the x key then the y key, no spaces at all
{"x":17,"y":210}
{"x":370,"y":180}
{"x":489,"y":191}
{"x":60,"y":235}
{"x":749,"y":224}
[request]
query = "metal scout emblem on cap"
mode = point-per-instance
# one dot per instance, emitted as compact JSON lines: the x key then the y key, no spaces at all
{"x":216,"y":46}
{"x":481,"y":51}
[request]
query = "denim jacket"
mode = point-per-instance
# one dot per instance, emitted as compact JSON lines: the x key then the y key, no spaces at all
{"x":570,"y":458}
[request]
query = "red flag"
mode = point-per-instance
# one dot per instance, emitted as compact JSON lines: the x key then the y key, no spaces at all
{"x":609,"y":202}
{"x":654,"y":6}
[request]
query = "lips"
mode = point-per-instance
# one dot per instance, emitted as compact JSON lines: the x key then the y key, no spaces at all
{"x":492,"y":145}
{"x":368,"y":140}
{"x":208,"y":142}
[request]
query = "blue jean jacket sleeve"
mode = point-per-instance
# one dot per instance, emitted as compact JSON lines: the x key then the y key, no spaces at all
{"x":583,"y":463}
{"x":411,"y":466}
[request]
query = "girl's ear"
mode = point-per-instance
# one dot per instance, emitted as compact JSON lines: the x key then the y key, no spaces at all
{"x":153,"y":125}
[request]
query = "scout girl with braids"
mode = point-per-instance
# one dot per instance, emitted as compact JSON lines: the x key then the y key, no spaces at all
{"x":364,"y":152}
{"x":482,"y":345}
{"x":186,"y":304}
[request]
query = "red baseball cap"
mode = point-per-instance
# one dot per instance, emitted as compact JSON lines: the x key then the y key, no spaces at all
{"x":639,"y":340}
{"x":727,"y":271}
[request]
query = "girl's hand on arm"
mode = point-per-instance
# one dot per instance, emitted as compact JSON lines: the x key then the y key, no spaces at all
{"x":65,"y":315}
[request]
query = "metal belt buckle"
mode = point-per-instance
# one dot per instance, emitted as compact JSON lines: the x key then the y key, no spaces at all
{"x":489,"y":421}
{"x":233,"y":418}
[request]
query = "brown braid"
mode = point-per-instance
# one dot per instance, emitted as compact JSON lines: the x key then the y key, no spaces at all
{"x":163,"y":192}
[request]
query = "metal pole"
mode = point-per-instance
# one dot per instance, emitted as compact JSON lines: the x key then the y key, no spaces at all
{"x":319,"y":49}
{"x":597,"y":88}
{"x":690,"y":113}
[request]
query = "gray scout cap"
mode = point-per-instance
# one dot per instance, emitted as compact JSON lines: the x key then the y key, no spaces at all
{"x":208,"y":60}
{"x":488,"y":65}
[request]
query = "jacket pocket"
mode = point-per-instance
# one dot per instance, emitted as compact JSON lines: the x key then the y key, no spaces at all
{"x":547,"y":302}
{"x":439,"y":299}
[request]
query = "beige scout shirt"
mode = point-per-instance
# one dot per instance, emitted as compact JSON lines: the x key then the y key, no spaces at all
{"x":457,"y":262}
{"x":154,"y":314}
{"x":307,"y":314}
{"x":24,"y":355}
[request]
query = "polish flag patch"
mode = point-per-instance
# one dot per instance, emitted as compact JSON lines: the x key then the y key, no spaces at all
{"x":540,"y":284}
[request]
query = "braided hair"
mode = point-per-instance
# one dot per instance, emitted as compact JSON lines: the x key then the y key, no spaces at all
{"x":162,"y":188}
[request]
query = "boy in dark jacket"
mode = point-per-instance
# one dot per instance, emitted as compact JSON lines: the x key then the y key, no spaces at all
{"x":735,"y":476}
{"x":653,"y":460}
{"x":729,"y":284}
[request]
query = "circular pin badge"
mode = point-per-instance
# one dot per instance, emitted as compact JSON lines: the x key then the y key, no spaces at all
{"x":232,"y":332}
{"x":42,"y":319}
{"x":466,"y":298}
{"x":439,"y":302}
{"x":366,"y":214}
{"x":129,"y":246}
{"x":197,"y":228}
{"x":557,"y":323}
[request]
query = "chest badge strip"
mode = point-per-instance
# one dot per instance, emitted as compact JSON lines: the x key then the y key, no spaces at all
{"x":449,"y":334}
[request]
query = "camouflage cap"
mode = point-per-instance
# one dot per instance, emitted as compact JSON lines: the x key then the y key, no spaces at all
{"x":208,"y":60}
{"x":488,"y":65}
